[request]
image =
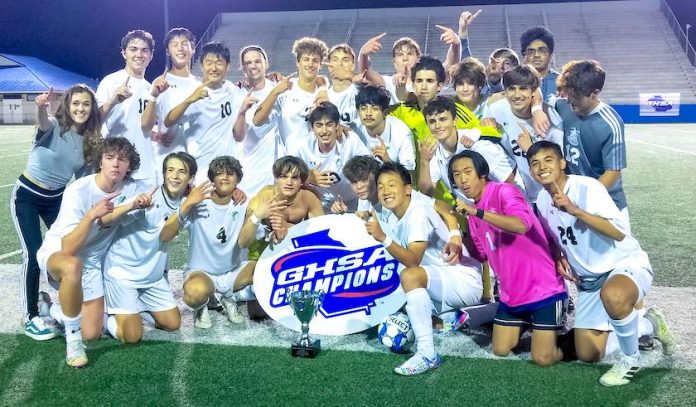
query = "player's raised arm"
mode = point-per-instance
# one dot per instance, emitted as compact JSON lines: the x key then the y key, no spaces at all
{"x":73,"y":241}
{"x":239,"y":130}
{"x":450,"y":37}
{"x":465,"y":21}
{"x":197,"y":195}
{"x":42,"y":104}
{"x":175,"y":114}
{"x":598,"y":223}
{"x":149,"y":114}
{"x":264,"y":110}
{"x":122,"y":93}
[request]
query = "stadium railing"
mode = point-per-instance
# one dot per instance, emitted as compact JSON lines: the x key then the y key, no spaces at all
{"x":679,"y":32}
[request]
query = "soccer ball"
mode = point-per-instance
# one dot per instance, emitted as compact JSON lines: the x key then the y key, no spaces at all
{"x":395,"y":333}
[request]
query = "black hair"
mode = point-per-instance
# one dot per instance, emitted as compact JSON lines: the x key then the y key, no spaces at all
{"x":179,"y":32}
{"x":226,"y":164}
{"x":324,"y":109}
{"x":544,"y":145}
{"x":289,"y":163}
{"x":397,"y":168}
{"x":215,"y":48}
{"x":373,"y":95}
{"x":525,"y":76}
{"x":428,"y":63}
{"x":439,"y":105}
{"x":360,"y":168}
{"x":480,"y":164}
{"x":537,"y":33}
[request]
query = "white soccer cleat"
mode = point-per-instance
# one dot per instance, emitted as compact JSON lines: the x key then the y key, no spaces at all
{"x":232,"y":310}
{"x":75,"y":355}
{"x":202,"y":319}
{"x":662,"y":331}
{"x":623,"y":371}
{"x":418,"y":364}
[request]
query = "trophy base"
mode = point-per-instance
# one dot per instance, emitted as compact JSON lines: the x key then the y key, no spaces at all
{"x":300,"y":351}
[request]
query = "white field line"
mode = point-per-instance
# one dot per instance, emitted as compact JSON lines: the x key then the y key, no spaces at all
{"x":10,"y":254}
{"x":676,"y":150}
{"x":7,"y":185}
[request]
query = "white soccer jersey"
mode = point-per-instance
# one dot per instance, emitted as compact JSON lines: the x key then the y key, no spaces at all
{"x":386,"y":217}
{"x":499,"y":164}
{"x":213,"y":237}
{"x":589,"y":252}
{"x":398,"y":139}
{"x":290,"y":112}
{"x":333,"y":161}
{"x":260,"y":148}
{"x":179,"y":89}
{"x":78,"y":198}
{"x":124,"y":119}
{"x":502,"y":112}
{"x":211,"y":122}
{"x":421,"y":223}
{"x":389,"y":85}
{"x":345,"y":102}
{"x":137,"y":258}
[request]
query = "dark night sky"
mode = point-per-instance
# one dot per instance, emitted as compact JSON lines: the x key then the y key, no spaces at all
{"x":83,"y":35}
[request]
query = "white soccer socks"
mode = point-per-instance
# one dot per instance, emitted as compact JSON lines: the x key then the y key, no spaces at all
{"x":627,"y":332}
{"x":418,"y":308}
{"x":245,"y":294}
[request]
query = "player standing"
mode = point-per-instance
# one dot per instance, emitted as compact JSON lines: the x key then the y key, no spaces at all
{"x":289,"y":103}
{"x":122,"y":97}
{"x":537,"y":45}
{"x":214,"y":111}
{"x":167,"y":91}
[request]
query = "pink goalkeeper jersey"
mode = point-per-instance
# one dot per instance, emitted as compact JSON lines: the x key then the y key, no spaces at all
{"x":523,"y":263}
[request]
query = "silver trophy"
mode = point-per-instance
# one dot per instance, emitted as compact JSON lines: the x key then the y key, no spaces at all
{"x":305,"y":305}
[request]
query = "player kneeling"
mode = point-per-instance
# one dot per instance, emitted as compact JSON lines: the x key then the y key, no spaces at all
{"x":428,"y":280}
{"x":505,"y":231}
{"x":612,"y":272}
{"x":75,"y":244}
{"x":214,"y":254}
{"x":134,"y":266}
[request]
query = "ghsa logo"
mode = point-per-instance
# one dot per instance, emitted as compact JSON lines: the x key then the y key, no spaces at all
{"x":351,"y":279}
{"x":660,"y":104}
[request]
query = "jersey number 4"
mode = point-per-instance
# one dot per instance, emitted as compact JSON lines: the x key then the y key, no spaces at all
{"x":567,"y":235}
{"x":221,"y":236}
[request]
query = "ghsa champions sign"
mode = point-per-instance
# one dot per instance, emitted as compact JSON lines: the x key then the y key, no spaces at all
{"x":336,"y":255}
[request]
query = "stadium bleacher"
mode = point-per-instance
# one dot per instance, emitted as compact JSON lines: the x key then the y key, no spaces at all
{"x":637,"y":60}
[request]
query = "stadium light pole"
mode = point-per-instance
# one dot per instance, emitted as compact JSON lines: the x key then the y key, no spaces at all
{"x":166,"y":17}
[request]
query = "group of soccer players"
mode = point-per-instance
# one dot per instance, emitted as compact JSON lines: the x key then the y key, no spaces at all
{"x":445,"y":183}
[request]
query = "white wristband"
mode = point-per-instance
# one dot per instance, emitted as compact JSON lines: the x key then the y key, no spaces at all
{"x":151,"y":98}
{"x":254,"y":219}
{"x":455,"y":232}
{"x":536,"y":108}
{"x":387,"y":241}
